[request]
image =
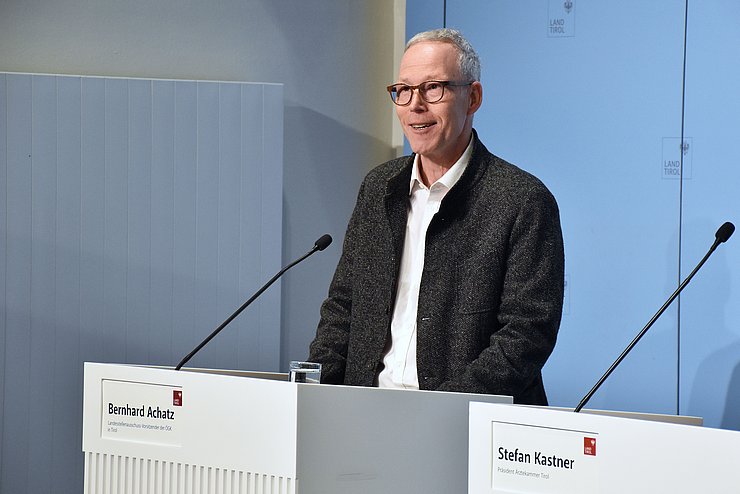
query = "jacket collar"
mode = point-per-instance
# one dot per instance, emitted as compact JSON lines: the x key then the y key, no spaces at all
{"x":398,"y":184}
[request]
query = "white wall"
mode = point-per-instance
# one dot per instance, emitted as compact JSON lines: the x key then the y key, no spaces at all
{"x":334,"y":57}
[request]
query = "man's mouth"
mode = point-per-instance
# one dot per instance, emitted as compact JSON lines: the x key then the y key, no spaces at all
{"x":421,"y":126}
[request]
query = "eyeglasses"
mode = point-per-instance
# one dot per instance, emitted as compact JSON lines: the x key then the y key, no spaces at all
{"x":430,"y":91}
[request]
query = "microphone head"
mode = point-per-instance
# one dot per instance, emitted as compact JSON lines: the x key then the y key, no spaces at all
{"x":724,"y":232}
{"x":325,"y":240}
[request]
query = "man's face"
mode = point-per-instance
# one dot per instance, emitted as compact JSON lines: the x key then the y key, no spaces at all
{"x":440,"y":131}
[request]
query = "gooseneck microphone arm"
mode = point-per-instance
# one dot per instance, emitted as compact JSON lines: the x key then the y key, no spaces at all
{"x":321,"y":244}
{"x":723,"y":233}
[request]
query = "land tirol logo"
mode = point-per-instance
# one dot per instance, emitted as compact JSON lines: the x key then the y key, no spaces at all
{"x":589,"y":446}
{"x":177,"y":397}
{"x":561,"y":18}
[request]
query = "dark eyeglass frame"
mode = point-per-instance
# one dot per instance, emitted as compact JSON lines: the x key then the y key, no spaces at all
{"x":421,"y":88}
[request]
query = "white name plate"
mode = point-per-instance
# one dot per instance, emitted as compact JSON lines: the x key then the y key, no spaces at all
{"x":141,"y":412}
{"x":543,"y":460}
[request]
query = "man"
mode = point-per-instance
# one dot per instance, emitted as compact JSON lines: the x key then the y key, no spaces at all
{"x":451,"y":275}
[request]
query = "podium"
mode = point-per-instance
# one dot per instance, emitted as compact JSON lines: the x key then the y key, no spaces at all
{"x":532,"y":450}
{"x":156,"y":430}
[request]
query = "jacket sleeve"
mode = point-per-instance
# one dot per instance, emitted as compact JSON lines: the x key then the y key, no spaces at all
{"x":529,"y":311}
{"x":329,"y":347}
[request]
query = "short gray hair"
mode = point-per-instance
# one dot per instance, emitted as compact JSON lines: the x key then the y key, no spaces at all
{"x":467,"y":58}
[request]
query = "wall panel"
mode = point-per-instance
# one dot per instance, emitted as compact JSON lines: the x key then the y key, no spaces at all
{"x":67,"y":398}
{"x":710,"y":308}
{"x":43,"y":334}
{"x":130,"y":209}
{"x":162,"y":279}
{"x":3,"y":242}
{"x":17,"y":282}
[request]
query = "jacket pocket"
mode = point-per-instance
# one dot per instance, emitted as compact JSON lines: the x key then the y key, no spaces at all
{"x":479,"y":289}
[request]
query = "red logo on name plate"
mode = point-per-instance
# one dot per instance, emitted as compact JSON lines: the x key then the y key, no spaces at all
{"x":177,"y":397}
{"x":589,"y":446}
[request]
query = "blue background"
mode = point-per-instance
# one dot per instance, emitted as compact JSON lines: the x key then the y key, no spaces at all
{"x":596,"y":114}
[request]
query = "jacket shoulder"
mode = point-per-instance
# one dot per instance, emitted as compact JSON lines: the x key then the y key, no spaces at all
{"x":389,"y":170}
{"x":508,"y":182}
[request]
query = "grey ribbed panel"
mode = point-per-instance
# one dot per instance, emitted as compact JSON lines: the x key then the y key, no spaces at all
{"x":135,"y":215}
{"x":109,"y":474}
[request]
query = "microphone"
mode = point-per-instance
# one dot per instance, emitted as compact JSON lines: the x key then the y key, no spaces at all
{"x":325,"y":241}
{"x":723,"y":233}
{"x":321,"y":244}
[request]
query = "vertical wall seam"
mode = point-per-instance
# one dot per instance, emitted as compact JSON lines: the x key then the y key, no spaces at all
{"x":196,"y":309}
{"x":174,"y":192}
{"x":263,"y":275}
{"x":104,"y":199}
{"x":151,"y":220}
{"x":149,"y":320}
{"x":240,"y":225}
{"x":79,"y":461}
{"x":680,"y":209}
{"x":31,"y":156}
{"x":127,"y":262}
{"x":219,"y":164}
{"x":5,"y":283}
{"x":79,"y":239}
{"x":56,"y":271}
{"x":31,"y":163}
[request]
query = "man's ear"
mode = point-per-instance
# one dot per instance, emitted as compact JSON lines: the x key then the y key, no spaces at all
{"x":476,"y":97}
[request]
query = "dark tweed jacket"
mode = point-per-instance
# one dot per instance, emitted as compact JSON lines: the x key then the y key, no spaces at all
{"x":491,"y":291}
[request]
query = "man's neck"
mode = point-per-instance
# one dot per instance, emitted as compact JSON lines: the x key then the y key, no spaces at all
{"x":431,"y":170}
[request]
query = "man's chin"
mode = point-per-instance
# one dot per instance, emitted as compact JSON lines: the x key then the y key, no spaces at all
{"x":419,"y":146}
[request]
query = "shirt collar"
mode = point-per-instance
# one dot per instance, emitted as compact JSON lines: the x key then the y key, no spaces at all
{"x":450,"y":178}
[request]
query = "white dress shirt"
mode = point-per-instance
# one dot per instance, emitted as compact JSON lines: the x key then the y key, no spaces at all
{"x":399,"y":369}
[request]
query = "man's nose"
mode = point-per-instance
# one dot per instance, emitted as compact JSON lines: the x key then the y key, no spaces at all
{"x":417,"y":103}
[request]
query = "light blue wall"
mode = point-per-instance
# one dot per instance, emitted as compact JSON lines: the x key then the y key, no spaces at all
{"x":596,"y":112}
{"x":710,"y":310}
